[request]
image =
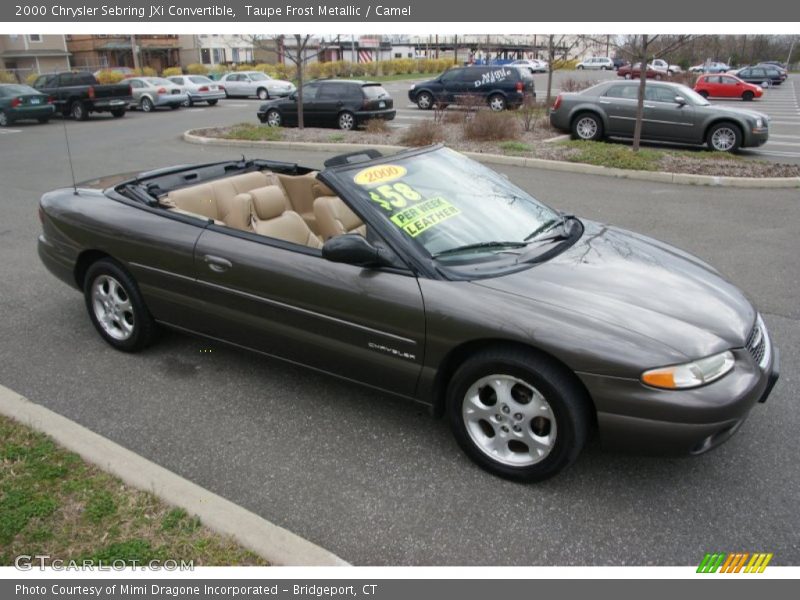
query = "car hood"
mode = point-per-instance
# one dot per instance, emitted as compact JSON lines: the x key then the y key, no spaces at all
{"x":640,"y":285}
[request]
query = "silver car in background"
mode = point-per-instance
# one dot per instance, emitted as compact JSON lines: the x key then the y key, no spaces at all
{"x":152,"y":92}
{"x":255,"y":83}
{"x":673,"y":113}
{"x":199,"y":88}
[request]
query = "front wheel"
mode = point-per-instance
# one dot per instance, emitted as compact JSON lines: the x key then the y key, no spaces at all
{"x":212,"y":102}
{"x":273,"y":118}
{"x":748,"y":96}
{"x":146,"y":105}
{"x":188,"y":103}
{"x":497,"y":103}
{"x":703,"y":93}
{"x":347,"y":121}
{"x":587,"y":127}
{"x":580,"y":67}
{"x":262,"y":94}
{"x":425,"y":101}
{"x":118,"y":112}
{"x":43,"y":120}
{"x":116,"y":307}
{"x":724,"y":137}
{"x":627,"y":75}
{"x":518,"y":414}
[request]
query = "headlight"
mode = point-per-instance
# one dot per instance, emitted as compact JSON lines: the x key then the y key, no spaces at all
{"x":759,"y":123}
{"x":413,"y":85}
{"x":689,"y":375}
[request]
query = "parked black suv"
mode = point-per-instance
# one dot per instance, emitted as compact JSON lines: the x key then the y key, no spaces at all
{"x":342,"y":103}
{"x":761,"y":74}
{"x":500,"y":86}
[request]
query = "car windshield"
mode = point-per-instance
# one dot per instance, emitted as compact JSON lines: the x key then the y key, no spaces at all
{"x":691,"y":96}
{"x":159,"y":81}
{"x":199,"y":79}
{"x":446,"y":203}
{"x":258,"y":76}
{"x":13,"y":90}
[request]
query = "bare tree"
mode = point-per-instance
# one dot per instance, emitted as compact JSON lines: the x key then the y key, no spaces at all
{"x":558,"y":47}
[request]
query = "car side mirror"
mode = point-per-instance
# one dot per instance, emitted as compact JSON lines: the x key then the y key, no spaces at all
{"x":293,"y":96}
{"x":680,"y":100}
{"x":352,"y":249}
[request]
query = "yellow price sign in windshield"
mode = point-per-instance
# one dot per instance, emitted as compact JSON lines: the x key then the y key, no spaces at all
{"x":379,"y":174}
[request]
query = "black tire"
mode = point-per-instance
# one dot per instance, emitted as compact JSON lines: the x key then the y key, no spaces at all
{"x":273,"y":118}
{"x":78,"y":111}
{"x":582,"y":129}
{"x":748,"y":96}
{"x":175,"y":106}
{"x":721,"y":131}
{"x":146,"y":104}
{"x":212,"y":102}
{"x":43,"y":120}
{"x":497,"y":102}
{"x":262,"y":93}
{"x":425,"y":101}
{"x":568,"y":416}
{"x":5,"y":120}
{"x":346,"y":121}
{"x":118,"y":113}
{"x":580,"y":67}
{"x":188,"y":103}
{"x":703,"y":93}
{"x":143,"y":329}
{"x":603,"y":68}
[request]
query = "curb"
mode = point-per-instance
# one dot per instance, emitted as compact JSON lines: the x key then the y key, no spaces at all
{"x":277,"y":545}
{"x":521,"y":161}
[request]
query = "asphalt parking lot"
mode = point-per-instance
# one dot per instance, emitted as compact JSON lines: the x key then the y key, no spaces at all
{"x":373,"y":479}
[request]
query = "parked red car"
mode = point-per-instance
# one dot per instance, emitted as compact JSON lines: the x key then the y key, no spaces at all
{"x":635,"y":71}
{"x":726,"y":86}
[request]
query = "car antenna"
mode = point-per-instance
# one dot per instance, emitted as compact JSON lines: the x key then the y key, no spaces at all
{"x":69,"y":156}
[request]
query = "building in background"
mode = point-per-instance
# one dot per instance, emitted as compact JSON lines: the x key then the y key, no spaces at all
{"x":212,"y":49}
{"x":33,"y":53}
{"x":93,"y":52}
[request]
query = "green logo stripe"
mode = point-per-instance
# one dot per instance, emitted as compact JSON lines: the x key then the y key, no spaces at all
{"x":711,"y":562}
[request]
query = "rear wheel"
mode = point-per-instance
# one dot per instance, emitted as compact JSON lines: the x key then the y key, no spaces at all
{"x":188,"y":103}
{"x":118,"y":112}
{"x":212,"y":102}
{"x":627,"y":75}
{"x":518,"y":414}
{"x":580,"y":67}
{"x":262,"y":94}
{"x":43,"y":120}
{"x":748,"y":96}
{"x":175,"y":106}
{"x":424,"y":101}
{"x":146,"y":105}
{"x":116,"y":307}
{"x":347,"y":121}
{"x":4,"y":120}
{"x":724,"y":137}
{"x":497,"y":102}
{"x":78,"y":111}
{"x":587,"y":126}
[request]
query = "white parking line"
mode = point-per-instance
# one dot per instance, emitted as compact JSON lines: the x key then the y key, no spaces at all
{"x":10,"y":130}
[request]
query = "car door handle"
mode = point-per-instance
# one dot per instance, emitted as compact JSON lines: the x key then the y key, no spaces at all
{"x":217,"y":263}
{"x":604,"y":102}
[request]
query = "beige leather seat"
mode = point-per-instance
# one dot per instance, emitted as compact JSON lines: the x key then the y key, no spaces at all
{"x":272,"y":219}
{"x":334,"y":218}
{"x":223,"y":200}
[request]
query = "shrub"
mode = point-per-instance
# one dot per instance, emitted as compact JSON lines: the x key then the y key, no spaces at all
{"x":146,"y":72}
{"x":244,"y":67}
{"x":196,"y":69}
{"x":376,"y":126}
{"x":530,"y":112}
{"x":107,"y":76}
{"x":7,"y":77}
{"x":171,"y":72}
{"x":216,"y":70}
{"x":422,"y":134}
{"x":31,"y":78}
{"x":265,"y":68}
{"x":575,"y":85}
{"x":486,"y":126}
{"x":561,"y":63}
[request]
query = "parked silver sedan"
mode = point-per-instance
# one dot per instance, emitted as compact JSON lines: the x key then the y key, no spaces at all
{"x":152,"y":92}
{"x":199,"y":88}
{"x":255,"y":83}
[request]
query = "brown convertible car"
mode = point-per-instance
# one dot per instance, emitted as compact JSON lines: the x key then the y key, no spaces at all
{"x":426,"y":275}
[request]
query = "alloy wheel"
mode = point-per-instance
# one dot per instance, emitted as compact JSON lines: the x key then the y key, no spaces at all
{"x":346,"y":121}
{"x":112,"y":307}
{"x":274,"y":118}
{"x":586,"y":128}
{"x":509,"y":420}
{"x":723,"y":139}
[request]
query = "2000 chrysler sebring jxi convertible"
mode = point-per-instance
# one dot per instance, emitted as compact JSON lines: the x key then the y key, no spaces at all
{"x":432,"y":277}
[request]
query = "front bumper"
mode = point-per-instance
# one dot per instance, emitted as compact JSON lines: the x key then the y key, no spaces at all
{"x":756,"y":137}
{"x":633,"y":416}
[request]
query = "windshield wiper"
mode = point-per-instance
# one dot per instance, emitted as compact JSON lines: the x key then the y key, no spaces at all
{"x":479,"y":246}
{"x":534,"y":236}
